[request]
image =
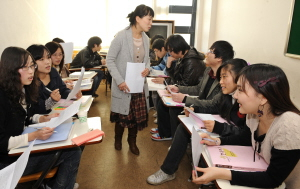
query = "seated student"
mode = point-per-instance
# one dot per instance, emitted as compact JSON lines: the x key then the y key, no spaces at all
{"x":57,"y":58}
{"x":18,"y":92}
{"x":89,"y":58}
{"x":162,"y":54}
{"x":158,"y":47}
{"x":273,"y":130}
{"x":58,"y":40}
{"x":227,"y":108}
{"x":52,"y":88}
{"x":208,"y":92}
{"x":152,"y":55}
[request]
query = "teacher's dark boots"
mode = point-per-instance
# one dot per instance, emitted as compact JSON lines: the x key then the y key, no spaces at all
{"x":118,"y":136}
{"x":132,"y":134}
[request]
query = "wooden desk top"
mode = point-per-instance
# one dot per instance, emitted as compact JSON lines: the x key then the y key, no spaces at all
{"x":78,"y":129}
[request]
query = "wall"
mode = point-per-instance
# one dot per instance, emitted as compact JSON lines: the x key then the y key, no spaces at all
{"x":257,"y":29}
{"x":23,"y":23}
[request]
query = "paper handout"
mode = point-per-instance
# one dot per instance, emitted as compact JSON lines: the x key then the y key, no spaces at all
{"x":76,"y":88}
{"x":68,"y":51}
{"x":133,"y":78}
{"x":63,"y":116}
{"x":10,"y":175}
{"x":196,"y":148}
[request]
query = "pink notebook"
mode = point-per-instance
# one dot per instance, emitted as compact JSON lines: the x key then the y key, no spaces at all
{"x":162,"y":93}
{"x":87,"y":137}
{"x":236,"y":157}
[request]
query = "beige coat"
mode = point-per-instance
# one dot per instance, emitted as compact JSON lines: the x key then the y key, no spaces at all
{"x":120,"y":52}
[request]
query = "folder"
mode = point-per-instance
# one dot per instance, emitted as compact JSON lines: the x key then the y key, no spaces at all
{"x":87,"y":137}
{"x":236,"y":157}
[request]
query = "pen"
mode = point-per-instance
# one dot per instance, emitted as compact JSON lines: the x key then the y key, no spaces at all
{"x":210,"y":140}
{"x":48,"y":89}
{"x":44,"y":129}
{"x":189,"y":107}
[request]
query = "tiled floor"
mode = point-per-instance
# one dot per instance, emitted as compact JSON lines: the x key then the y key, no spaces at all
{"x":104,"y":167}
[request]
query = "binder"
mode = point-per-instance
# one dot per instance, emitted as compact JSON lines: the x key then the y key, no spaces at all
{"x":87,"y":137}
{"x":236,"y":157}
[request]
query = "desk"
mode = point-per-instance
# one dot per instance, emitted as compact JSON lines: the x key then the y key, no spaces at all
{"x":78,"y":129}
{"x":221,"y":184}
{"x":101,"y":67}
{"x":72,"y":78}
{"x":86,"y":107}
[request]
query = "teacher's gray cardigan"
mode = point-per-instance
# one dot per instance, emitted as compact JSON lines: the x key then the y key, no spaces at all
{"x":120,"y":52}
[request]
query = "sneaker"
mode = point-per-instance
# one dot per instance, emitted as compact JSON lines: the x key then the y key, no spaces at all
{"x":160,"y":177}
{"x":155,"y":114}
{"x":155,"y":121}
{"x":158,"y":138}
{"x":154,"y":130}
{"x":76,"y":186}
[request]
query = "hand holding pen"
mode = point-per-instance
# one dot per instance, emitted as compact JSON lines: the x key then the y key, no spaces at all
{"x":55,"y":95}
{"x":186,"y":112}
{"x":41,"y":133}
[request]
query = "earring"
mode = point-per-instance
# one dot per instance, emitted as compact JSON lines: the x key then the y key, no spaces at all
{"x":260,"y":111}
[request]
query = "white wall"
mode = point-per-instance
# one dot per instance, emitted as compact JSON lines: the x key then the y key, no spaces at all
{"x":257,"y":29}
{"x":23,"y":23}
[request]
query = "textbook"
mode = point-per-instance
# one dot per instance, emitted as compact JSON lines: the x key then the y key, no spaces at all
{"x":239,"y":158}
{"x":154,"y":86}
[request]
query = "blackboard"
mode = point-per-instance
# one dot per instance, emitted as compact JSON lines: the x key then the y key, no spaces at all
{"x":293,"y":40}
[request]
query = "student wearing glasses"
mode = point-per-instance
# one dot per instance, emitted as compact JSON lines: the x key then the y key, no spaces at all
{"x":18,"y":94}
{"x":273,"y":120}
{"x":207,"y":90}
{"x":52,"y":88}
{"x":58,"y":62}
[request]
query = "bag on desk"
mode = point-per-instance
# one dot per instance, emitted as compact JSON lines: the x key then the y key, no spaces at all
{"x":87,"y":137}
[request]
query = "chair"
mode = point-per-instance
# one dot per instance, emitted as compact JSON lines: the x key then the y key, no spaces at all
{"x":40,"y":176}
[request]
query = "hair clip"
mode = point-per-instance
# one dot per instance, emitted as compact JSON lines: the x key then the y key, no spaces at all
{"x":264,"y":82}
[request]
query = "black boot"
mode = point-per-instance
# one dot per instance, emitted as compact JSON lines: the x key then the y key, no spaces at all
{"x":118,"y":136}
{"x":132,"y":133}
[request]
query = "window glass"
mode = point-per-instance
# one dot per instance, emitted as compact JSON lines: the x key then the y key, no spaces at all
{"x":181,"y":19}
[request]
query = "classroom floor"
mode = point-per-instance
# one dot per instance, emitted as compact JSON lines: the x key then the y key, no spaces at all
{"x":104,"y":167}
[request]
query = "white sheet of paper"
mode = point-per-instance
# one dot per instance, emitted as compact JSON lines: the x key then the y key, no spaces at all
{"x":10,"y":175}
{"x":76,"y":88}
{"x":134,"y":79}
{"x":63,"y":116}
{"x":196,"y":147}
{"x":68,"y":50}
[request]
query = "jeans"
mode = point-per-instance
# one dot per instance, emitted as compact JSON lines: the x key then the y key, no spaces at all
{"x":167,"y":119}
{"x":97,"y":80}
{"x":68,"y":164}
{"x":178,"y":148}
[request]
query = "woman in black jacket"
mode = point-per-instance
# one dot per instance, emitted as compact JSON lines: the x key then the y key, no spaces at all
{"x":228,"y":108}
{"x":52,"y":88}
{"x":18,"y":93}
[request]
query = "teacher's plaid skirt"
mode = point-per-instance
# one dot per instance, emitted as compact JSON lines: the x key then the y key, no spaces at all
{"x":137,"y":117}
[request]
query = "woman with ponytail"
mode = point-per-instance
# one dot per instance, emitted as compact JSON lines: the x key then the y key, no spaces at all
{"x":130,"y":45}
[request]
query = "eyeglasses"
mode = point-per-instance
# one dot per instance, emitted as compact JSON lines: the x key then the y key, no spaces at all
{"x":210,"y":51}
{"x":60,"y":54}
{"x":32,"y":67}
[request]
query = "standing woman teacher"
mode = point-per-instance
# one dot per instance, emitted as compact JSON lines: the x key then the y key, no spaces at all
{"x":129,"y":110}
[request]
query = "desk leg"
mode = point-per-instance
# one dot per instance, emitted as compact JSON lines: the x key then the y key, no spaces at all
{"x":45,"y":172}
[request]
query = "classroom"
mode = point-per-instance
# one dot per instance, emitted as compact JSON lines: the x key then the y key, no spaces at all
{"x":257,"y":29}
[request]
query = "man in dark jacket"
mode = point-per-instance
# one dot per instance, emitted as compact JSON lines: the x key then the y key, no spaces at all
{"x":208,"y":91}
{"x":89,"y":58}
{"x":185,"y":67}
